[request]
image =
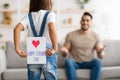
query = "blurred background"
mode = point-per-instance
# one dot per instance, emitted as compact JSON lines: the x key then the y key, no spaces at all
{"x":68,"y":14}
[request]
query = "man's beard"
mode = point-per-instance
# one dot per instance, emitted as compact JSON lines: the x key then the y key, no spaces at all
{"x":84,"y":29}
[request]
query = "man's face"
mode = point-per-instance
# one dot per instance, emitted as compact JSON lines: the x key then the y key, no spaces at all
{"x":86,"y":22}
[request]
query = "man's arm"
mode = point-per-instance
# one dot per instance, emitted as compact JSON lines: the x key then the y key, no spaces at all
{"x":65,"y":49}
{"x":67,"y":45}
{"x":100,"y":51}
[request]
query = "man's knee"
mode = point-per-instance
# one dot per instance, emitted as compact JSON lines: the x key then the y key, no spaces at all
{"x":97,"y":62}
{"x":69,"y":61}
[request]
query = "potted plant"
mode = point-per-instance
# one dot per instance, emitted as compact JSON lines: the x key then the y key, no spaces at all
{"x":2,"y":47}
{"x":82,"y":3}
{"x":6,"y":5}
{"x":1,"y":35}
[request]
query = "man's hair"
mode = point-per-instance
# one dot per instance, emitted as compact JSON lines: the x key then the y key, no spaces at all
{"x":36,"y":5}
{"x":87,"y":14}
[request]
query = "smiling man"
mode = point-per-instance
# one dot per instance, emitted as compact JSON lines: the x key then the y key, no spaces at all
{"x":80,"y":46}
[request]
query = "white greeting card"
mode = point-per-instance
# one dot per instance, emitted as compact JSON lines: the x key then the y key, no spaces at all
{"x":36,"y":47}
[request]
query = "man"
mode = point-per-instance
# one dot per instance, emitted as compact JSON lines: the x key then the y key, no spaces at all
{"x":81,"y":45}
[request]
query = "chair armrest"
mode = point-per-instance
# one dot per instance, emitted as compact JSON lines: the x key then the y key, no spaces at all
{"x":2,"y":61}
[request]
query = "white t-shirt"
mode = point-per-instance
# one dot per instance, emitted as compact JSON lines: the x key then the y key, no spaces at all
{"x":37,"y":20}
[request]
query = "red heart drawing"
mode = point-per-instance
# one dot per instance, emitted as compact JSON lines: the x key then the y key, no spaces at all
{"x":35,"y":43}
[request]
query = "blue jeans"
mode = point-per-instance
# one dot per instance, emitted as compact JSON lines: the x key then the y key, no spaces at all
{"x":72,"y":66}
{"x":49,"y":69}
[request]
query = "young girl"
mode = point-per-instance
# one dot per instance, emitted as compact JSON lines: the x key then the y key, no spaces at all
{"x":38,"y":8}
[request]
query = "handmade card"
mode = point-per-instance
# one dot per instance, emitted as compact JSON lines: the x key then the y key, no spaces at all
{"x":36,"y":47}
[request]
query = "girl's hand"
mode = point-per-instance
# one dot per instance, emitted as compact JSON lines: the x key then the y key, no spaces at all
{"x":22,"y":53}
{"x":49,"y":52}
